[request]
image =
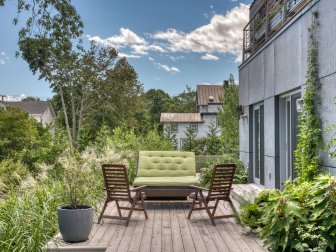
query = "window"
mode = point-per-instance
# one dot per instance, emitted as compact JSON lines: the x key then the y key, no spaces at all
{"x":288,"y":134}
{"x":174,"y":127}
{"x":194,"y":126}
{"x":258,"y":143}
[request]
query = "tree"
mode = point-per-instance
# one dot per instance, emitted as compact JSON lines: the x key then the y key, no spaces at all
{"x":157,"y":101}
{"x":190,"y":143}
{"x":170,"y":134}
{"x":23,"y":138}
{"x":184,"y":102}
{"x":228,"y":118}
{"x":50,"y":42}
{"x":31,"y":98}
{"x":117,"y":101}
{"x":212,"y":140}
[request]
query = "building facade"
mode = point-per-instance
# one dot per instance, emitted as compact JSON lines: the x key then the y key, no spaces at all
{"x":272,"y":83}
{"x":42,"y":111}
{"x":208,"y":102}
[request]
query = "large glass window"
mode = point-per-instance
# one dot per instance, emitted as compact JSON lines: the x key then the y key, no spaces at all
{"x":258,"y":143}
{"x":288,"y":131}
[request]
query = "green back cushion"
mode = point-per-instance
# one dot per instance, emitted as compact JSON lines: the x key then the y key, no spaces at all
{"x":166,"y":164}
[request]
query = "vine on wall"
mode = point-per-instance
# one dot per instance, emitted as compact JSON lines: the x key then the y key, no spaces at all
{"x":310,"y":144}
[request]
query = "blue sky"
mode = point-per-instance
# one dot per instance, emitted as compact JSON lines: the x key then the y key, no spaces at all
{"x":170,"y":44}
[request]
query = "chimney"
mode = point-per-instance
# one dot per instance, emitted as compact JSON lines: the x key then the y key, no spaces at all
{"x":211,"y":98}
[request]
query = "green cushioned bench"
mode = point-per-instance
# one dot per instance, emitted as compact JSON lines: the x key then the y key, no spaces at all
{"x":166,"y":173}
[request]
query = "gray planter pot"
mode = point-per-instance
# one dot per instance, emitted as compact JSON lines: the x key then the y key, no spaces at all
{"x":75,"y":224}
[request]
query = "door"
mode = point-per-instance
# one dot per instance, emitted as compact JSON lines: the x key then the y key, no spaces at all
{"x":258,"y":144}
{"x":288,"y":127}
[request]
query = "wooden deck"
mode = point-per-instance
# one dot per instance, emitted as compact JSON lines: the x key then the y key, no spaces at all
{"x":167,"y":229}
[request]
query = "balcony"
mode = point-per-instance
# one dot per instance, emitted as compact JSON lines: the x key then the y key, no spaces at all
{"x":266,"y":21}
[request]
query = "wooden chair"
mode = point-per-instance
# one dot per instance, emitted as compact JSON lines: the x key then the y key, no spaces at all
{"x":117,"y":189}
{"x":220,"y":188}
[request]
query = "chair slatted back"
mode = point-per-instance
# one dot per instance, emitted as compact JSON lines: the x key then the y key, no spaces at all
{"x":221,"y":181}
{"x":116,"y":182}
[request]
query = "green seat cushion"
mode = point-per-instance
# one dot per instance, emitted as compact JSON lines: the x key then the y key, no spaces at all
{"x":166,"y":164}
{"x":166,"y":181}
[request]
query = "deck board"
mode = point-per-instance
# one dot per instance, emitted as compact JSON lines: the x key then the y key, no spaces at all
{"x":168,"y":229}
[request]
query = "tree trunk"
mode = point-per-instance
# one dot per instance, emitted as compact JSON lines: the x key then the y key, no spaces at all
{"x":65,"y":114}
{"x":81,"y":113}
{"x":74,"y":124}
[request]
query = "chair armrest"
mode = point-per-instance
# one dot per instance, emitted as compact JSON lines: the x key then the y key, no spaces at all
{"x":138,"y":188}
{"x":199,"y":188}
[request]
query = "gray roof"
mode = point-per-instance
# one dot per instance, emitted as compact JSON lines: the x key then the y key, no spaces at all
{"x":205,"y":91}
{"x":180,"y":117}
{"x":33,"y":107}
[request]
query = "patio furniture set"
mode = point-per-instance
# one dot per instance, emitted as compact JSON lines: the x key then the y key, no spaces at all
{"x":166,"y":175}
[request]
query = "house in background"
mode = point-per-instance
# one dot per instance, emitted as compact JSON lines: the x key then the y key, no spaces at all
{"x":272,"y":82}
{"x":42,"y":111}
{"x":207,"y":105}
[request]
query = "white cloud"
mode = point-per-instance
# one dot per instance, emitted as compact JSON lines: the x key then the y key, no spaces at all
{"x":128,"y":55}
{"x":224,"y":34}
{"x":128,"y":39}
{"x":209,"y":57}
{"x":3,"y":58}
{"x":150,"y":58}
{"x":15,"y":97}
{"x":175,"y":58}
{"x":209,"y":83}
{"x":172,"y":70}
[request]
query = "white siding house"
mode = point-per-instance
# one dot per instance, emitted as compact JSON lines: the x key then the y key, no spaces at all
{"x":42,"y":111}
{"x":207,"y":103}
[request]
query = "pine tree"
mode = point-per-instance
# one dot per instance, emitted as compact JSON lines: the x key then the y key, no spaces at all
{"x":212,"y":140}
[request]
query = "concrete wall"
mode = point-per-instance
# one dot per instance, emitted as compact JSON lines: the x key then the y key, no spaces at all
{"x":279,"y":67}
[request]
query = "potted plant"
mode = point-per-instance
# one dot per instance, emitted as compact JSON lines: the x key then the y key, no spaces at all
{"x":75,"y":217}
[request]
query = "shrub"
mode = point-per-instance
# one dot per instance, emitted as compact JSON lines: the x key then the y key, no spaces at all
{"x":12,"y":173}
{"x":300,"y":218}
{"x":127,"y":144}
{"x":206,"y":173}
{"x":77,"y":181}
{"x":250,"y":215}
{"x":30,"y":220}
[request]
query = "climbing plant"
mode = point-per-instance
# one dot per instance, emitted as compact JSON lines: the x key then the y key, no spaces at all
{"x":307,"y":158}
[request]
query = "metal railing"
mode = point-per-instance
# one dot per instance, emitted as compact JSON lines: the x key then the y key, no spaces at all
{"x":271,"y":16}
